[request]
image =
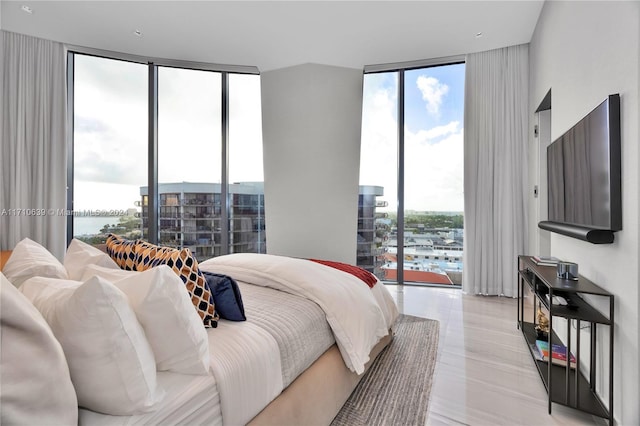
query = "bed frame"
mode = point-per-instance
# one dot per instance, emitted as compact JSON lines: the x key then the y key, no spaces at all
{"x":316,"y":395}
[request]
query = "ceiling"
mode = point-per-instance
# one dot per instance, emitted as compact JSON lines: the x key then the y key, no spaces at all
{"x":277,"y":34}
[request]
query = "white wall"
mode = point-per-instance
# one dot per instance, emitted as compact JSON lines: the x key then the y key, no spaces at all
{"x":311,"y":119}
{"x":539,"y":239}
{"x":585,"y":51}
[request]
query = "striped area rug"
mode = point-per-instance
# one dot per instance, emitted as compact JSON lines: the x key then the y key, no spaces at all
{"x":395,"y":390}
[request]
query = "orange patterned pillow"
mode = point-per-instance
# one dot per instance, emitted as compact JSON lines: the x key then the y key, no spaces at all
{"x":122,"y":251}
{"x":185,"y":265}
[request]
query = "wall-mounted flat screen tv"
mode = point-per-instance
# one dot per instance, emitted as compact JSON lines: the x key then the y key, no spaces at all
{"x":584,"y":177}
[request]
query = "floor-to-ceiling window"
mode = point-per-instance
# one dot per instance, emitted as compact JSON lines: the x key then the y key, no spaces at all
{"x":412,"y":151}
{"x":110,"y":147}
{"x":168,"y":153}
{"x":378,"y":173}
{"x":190,"y":159}
{"x":246,"y":175}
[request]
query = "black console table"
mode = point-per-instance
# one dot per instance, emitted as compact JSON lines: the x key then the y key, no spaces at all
{"x":566,"y":385}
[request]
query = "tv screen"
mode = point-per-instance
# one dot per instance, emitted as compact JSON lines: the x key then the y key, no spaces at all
{"x":583,"y":171}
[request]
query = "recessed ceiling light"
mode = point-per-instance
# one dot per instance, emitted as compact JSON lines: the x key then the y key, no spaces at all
{"x":27,"y":9}
{"x":137,"y":33}
{"x":479,"y":34}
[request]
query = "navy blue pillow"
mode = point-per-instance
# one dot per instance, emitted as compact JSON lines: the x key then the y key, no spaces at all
{"x":226,"y":297}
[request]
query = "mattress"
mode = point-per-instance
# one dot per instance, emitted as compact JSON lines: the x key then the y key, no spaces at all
{"x":188,"y":400}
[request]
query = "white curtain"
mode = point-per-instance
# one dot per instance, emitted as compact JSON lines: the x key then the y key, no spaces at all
{"x":32,"y":142}
{"x":495,"y":169}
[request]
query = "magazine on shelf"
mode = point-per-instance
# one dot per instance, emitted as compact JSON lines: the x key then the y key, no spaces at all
{"x":545,"y":260}
{"x":559,"y":353}
{"x":536,"y":352}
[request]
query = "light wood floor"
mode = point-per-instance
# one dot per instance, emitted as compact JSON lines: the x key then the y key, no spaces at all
{"x":484,"y":374}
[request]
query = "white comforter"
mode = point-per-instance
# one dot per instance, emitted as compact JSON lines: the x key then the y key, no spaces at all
{"x":359,"y":316}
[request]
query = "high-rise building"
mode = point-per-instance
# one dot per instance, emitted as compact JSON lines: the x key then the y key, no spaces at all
{"x":371,"y":230}
{"x":191,"y":213}
{"x":190,"y":216}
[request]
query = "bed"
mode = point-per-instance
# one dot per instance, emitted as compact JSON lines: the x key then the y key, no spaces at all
{"x":310,"y":334}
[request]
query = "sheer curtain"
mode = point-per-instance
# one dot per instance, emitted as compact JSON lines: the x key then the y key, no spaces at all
{"x":32,"y":142}
{"x":495,"y":169}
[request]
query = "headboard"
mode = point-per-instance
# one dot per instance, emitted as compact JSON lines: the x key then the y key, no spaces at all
{"x":4,"y":256}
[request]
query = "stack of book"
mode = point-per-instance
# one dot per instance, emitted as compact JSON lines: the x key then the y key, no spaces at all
{"x":545,"y":260}
{"x":541,"y":352}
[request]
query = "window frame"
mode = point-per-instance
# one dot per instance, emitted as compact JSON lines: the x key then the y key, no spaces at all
{"x":400,"y":68}
{"x":153,"y":65}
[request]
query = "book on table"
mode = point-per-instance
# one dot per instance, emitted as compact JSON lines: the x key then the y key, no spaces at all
{"x":559,"y":353}
{"x":545,"y":260}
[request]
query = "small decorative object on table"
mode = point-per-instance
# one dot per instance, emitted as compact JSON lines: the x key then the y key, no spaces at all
{"x":567,"y":271}
{"x":542,"y":328}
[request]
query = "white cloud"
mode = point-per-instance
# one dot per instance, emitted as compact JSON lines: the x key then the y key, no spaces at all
{"x":111,"y":142}
{"x":434,"y":173}
{"x":379,"y":133}
{"x":432,"y":92}
{"x":428,"y":136}
{"x":433,"y":157}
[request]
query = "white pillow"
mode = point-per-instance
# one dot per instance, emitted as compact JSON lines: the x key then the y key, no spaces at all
{"x":30,"y":259}
{"x":80,"y":254}
{"x":35,"y":376}
{"x":161,"y":303}
{"x":110,"y":360}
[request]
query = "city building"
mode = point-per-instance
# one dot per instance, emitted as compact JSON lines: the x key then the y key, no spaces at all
{"x":371,"y":230}
{"x":190,"y":216}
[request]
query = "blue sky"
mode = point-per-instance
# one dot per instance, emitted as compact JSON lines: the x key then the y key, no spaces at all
{"x":451,"y":109}
{"x":434,"y":113}
{"x":110,"y":100}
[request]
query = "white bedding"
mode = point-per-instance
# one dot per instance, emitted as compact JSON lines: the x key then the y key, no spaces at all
{"x":245,"y":360}
{"x":245,"y":377}
{"x":300,"y":326}
{"x":358,"y":315}
{"x":189,"y":400}
{"x":247,"y":368}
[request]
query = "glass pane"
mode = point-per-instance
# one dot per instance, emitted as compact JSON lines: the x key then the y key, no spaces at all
{"x":110,"y":147}
{"x":189,"y":160}
{"x":434,"y":201}
{"x":378,"y":176}
{"x":246,"y":175}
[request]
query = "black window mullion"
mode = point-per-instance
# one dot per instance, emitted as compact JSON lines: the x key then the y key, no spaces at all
{"x":70,"y":140}
{"x":153,"y":197}
{"x":224,"y":187}
{"x":400,"y":212}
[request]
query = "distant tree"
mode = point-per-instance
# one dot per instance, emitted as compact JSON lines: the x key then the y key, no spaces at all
{"x":94,"y":239}
{"x":430,"y":221}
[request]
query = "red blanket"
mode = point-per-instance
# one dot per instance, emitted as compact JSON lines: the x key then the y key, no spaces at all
{"x":356,"y":271}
